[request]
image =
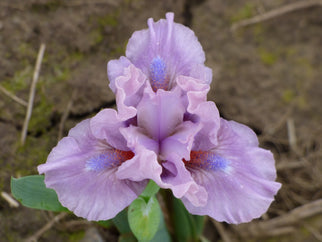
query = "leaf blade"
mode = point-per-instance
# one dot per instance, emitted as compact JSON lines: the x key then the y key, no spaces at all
{"x":187,"y":227}
{"x":121,"y":222}
{"x":144,"y":218}
{"x":32,"y":192}
{"x":162,"y":234}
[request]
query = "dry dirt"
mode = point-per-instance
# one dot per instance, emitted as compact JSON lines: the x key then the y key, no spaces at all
{"x":266,"y":75}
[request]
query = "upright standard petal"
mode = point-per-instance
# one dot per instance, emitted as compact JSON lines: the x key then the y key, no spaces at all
{"x":238,"y":176}
{"x":163,"y":52}
{"x":81,"y":169}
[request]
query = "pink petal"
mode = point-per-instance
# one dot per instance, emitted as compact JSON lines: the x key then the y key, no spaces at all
{"x":145,"y":163}
{"x":194,"y":94}
{"x":181,"y":141}
{"x":89,"y":194}
{"x":174,"y":43}
{"x":115,"y":68}
{"x":106,"y":125}
{"x":175,"y":176}
{"x":129,"y":91}
{"x":245,"y":188}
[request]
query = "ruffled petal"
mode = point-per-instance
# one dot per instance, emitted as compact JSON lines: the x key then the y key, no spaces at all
{"x":160,"y":113}
{"x":105,"y":126}
{"x":209,"y":117}
{"x":169,"y":173}
{"x":129,"y":91}
{"x":241,"y":189}
{"x":181,"y":141}
{"x":174,"y":174}
{"x":194,"y":95}
{"x":201,"y":72}
{"x":115,"y":68}
{"x":145,"y":164}
{"x":246,"y":134}
{"x":88,"y":193}
{"x":177,"y":178}
{"x":174,"y":43}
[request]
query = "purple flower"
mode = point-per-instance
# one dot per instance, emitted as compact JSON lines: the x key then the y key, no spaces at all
{"x":81,"y":169}
{"x":164,"y":130}
{"x":163,"y":52}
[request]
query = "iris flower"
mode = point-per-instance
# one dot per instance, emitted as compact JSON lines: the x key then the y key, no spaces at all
{"x":164,"y":129}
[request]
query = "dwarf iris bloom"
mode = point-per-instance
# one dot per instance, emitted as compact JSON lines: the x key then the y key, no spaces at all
{"x":164,"y":129}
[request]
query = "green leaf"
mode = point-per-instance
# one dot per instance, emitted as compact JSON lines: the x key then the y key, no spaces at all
{"x":121,"y":222}
{"x":198,"y":222}
{"x":31,"y":191}
{"x":182,"y":226}
{"x":144,"y":218}
{"x":150,"y":190}
{"x":162,"y":235}
{"x":187,"y":227}
{"x":127,"y":238}
{"x":105,"y":223}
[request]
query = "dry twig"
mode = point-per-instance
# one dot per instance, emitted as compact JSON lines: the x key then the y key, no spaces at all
{"x":280,"y":123}
{"x":65,"y":116}
{"x":46,"y":227}
{"x":12,"y":202}
{"x":276,"y":12}
{"x":283,"y":224}
{"x":314,"y":232}
{"x":291,"y":134}
{"x":74,"y":225}
{"x":14,"y":97}
{"x":32,"y":92}
{"x":290,"y":165}
{"x":221,"y":230}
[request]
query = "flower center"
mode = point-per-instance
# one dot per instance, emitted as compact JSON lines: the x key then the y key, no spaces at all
{"x":107,"y":160}
{"x":158,"y":74}
{"x":207,"y":160}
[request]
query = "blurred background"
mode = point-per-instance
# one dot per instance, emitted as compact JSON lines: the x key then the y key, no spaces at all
{"x":266,"y":74}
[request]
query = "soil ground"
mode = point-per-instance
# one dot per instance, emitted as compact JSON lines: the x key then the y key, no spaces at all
{"x":266,"y":75}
